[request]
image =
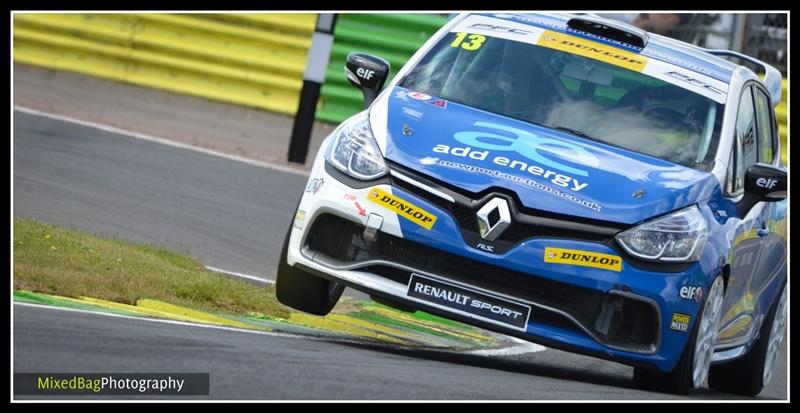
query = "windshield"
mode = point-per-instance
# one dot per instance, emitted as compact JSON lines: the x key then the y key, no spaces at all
{"x":583,"y":96}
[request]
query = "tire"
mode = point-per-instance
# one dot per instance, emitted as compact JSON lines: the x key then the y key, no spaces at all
{"x":746,"y":375}
{"x":302,"y":290}
{"x":682,"y":379}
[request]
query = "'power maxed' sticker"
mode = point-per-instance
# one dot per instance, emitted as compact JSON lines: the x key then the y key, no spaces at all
{"x":680,"y":322}
{"x":402,"y":207}
{"x":583,"y":258}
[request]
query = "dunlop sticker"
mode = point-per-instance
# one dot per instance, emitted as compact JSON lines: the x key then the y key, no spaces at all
{"x":404,"y":208}
{"x":593,"y":50}
{"x":583,"y":258}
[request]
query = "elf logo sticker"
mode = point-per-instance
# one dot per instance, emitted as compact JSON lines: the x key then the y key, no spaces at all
{"x":583,"y":259}
{"x":693,"y":293}
{"x":766,"y":183}
{"x":402,"y":207}
{"x":365,"y":73}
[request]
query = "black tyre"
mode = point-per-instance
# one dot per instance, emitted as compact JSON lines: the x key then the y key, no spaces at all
{"x":746,"y":375}
{"x":685,"y":377}
{"x":302,"y":290}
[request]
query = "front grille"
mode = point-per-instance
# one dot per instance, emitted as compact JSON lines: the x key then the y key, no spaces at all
{"x":525,"y":223}
{"x":615,"y":320}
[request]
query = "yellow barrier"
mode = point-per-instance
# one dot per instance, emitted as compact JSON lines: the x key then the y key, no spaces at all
{"x":248,"y":59}
{"x":781,"y":112}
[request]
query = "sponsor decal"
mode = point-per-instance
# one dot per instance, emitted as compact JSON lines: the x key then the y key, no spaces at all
{"x":639,"y":193}
{"x":402,"y":207}
{"x":299,"y":217}
{"x":519,"y":179}
{"x":419,"y":96}
{"x":350,"y":197}
{"x":593,"y":50}
{"x":693,"y":293}
{"x":314,"y":185}
{"x":429,"y":160}
{"x":407,"y":131}
{"x":497,"y":28}
{"x":693,"y":80}
{"x":365,"y":74}
{"x":661,"y":66}
{"x":766,"y":183}
{"x":544,"y":151}
{"x":583,"y":258}
{"x":496,"y":309}
{"x":439,"y":103}
{"x":680,"y":322}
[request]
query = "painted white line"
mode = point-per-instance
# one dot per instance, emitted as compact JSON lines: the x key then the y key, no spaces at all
{"x":163,"y":321}
{"x":238,"y":274}
{"x":522,"y":348}
{"x":162,"y":141}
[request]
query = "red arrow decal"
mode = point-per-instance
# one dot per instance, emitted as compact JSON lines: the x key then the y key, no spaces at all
{"x":361,"y":211}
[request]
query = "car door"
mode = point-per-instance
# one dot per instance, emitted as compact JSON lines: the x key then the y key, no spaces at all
{"x":736,"y":324}
{"x":772,"y":260}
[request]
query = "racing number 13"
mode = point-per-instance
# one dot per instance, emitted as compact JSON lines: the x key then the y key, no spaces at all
{"x":475,"y":41}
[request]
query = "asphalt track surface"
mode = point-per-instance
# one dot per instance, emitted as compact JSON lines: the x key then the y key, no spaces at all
{"x":233,"y":216}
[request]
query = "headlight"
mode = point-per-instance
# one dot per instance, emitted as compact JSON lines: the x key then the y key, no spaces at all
{"x":354,"y":150}
{"x":680,"y":236}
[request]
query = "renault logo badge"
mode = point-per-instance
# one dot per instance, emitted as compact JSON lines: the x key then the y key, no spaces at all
{"x":493,"y":218}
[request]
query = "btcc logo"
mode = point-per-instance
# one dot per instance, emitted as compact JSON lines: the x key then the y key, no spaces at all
{"x":402,"y":207}
{"x":583,"y":259}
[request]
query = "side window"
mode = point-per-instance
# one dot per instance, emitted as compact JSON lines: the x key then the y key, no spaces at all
{"x":745,"y":150}
{"x":766,"y":138}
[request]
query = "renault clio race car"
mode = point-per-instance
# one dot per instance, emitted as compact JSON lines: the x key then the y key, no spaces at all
{"x":568,"y":180}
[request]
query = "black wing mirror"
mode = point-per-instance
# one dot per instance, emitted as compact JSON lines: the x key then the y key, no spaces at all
{"x":762,"y":183}
{"x":766,"y":182}
{"x":368,"y":73}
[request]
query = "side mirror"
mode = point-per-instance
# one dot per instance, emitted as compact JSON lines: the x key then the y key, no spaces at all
{"x":762,"y":183}
{"x":368,"y":73}
{"x":766,"y":182}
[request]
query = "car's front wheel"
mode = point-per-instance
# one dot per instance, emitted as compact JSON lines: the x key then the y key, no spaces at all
{"x":302,"y":290}
{"x":748,"y":375}
{"x":692,"y":369}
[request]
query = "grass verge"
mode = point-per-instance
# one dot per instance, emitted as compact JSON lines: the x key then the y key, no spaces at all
{"x":54,"y":260}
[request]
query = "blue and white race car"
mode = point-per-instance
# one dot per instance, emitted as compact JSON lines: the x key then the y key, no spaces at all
{"x":568,"y":180}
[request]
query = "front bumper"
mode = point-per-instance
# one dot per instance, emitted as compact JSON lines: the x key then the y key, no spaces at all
{"x":567,"y":302}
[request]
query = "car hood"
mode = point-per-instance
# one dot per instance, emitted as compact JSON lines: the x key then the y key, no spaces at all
{"x":548,"y":169}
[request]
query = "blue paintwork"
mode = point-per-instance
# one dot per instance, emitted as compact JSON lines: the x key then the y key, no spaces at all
{"x":612,"y":174}
{"x":528,"y":257}
{"x":658,"y":47}
{"x":756,"y":264}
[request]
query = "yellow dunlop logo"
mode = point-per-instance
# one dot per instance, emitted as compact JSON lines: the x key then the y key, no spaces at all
{"x":583,"y":258}
{"x":406,"y":209}
{"x":593,"y":50}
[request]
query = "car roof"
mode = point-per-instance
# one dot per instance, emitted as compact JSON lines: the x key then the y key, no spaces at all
{"x":659,"y":47}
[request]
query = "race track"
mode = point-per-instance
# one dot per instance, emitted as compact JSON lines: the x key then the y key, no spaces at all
{"x":233,"y":216}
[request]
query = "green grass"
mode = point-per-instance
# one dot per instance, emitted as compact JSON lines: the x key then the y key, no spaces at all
{"x":55,"y":260}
